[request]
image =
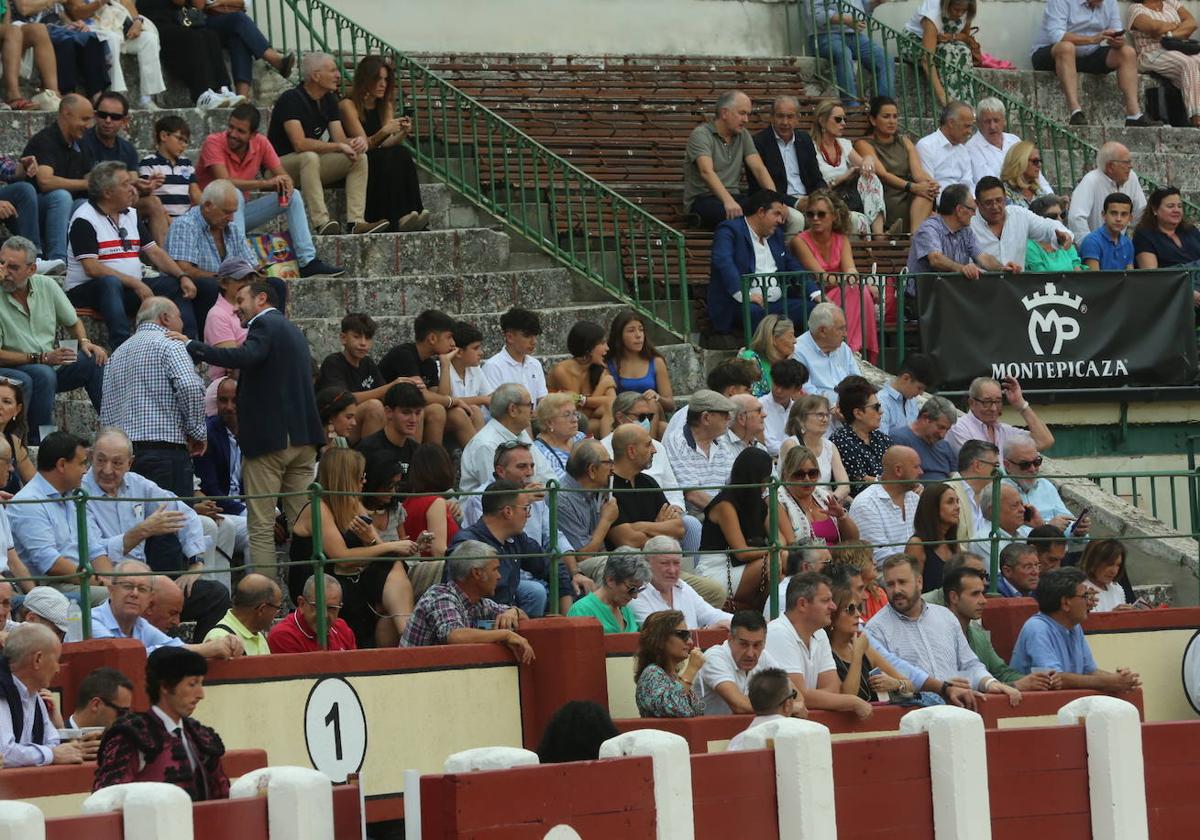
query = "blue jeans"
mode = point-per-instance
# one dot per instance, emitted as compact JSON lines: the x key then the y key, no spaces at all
{"x":842,"y":48}
{"x":115,"y":302}
{"x":263,"y":209}
{"x":22,"y":196}
{"x":531,"y":596}
{"x":54,"y":212}
{"x":45,"y":382}
{"x":243,"y":40}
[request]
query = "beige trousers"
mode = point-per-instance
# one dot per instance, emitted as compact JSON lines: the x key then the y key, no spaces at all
{"x":312,"y":172}
{"x":284,"y":471}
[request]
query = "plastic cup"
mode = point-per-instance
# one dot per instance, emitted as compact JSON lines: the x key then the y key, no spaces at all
{"x":71,"y":344}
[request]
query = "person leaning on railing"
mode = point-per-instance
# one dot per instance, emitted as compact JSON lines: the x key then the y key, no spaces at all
{"x":378,"y":596}
{"x":1166,"y":238}
{"x":854,"y":658}
{"x":663,"y":690}
{"x":945,"y":242}
{"x":1150,"y":23}
{"x":908,"y":190}
{"x":1045,"y":256}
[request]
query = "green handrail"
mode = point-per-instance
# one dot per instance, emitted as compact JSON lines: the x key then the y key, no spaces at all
{"x":1064,"y":153}
{"x":565,"y":212}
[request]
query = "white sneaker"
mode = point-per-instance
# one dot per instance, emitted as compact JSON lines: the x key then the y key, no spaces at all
{"x":51,"y":267}
{"x":231,"y":99}
{"x":47,"y":100}
{"x":146,"y":103}
{"x":209,"y":100}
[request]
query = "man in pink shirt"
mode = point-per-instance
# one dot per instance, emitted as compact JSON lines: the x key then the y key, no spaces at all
{"x":240,"y":155}
{"x":223,"y":326}
{"x":985,"y":400}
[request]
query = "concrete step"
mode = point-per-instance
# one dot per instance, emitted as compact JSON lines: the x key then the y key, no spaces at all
{"x":427,"y":252}
{"x":1041,"y":91}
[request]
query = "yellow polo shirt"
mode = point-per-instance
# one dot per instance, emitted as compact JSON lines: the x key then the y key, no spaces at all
{"x":254,"y":643}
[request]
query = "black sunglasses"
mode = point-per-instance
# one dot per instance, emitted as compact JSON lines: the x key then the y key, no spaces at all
{"x":120,"y":710}
{"x":682,"y":635}
{"x":643,"y":417}
{"x":1024,"y":465}
{"x":109,"y":115}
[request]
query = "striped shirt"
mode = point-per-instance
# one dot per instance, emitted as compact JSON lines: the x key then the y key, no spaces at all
{"x":933,"y":643}
{"x":116,"y":243}
{"x":178,"y":179}
{"x":152,"y":391}
{"x":693,"y":468}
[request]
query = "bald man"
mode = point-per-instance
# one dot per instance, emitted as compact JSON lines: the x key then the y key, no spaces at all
{"x":256,"y":602}
{"x":746,"y":428}
{"x":166,"y":604}
{"x":62,"y":169}
{"x":884,"y":511}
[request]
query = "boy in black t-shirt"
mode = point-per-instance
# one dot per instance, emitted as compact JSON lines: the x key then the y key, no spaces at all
{"x":397,"y":441}
{"x":426,"y":363}
{"x":355,"y":371}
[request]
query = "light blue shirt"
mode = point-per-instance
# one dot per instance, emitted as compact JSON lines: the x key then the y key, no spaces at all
{"x":898,"y":413}
{"x":104,"y":626}
{"x":1078,"y":18}
{"x":42,"y":533}
{"x":1044,"y":643}
{"x":825,"y":370}
{"x":933,"y":643}
{"x":1044,"y":496}
{"x":109,"y":521}
{"x":824,"y":10}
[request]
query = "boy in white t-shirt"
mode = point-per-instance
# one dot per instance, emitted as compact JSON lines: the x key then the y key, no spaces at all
{"x":468,"y":385}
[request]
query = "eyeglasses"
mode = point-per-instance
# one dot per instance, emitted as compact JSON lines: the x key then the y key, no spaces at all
{"x":636,"y":590}
{"x":820,"y":415}
{"x":526,"y":508}
{"x":969,"y":208}
{"x":1035,"y":161}
{"x":274,"y":607}
{"x":810,"y":475}
{"x":991,"y":465}
{"x":682,"y":635}
{"x":181,"y":137}
{"x":120,"y":710}
{"x":851,"y":609}
{"x":13,"y":382}
{"x":569,"y":415}
{"x":109,"y":115}
{"x":140,"y":588}
{"x":838,"y":119}
{"x":1024,"y":465}
{"x":815,"y":214}
{"x":515,"y":443}
{"x":642,"y":418}
{"x":996,"y":403}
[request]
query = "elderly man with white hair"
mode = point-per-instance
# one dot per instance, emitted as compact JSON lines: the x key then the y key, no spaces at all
{"x":1113,"y":173}
{"x":747,"y":427}
{"x":1010,"y":511}
{"x":991,"y":142}
{"x":985,"y":400}
{"x":1023,"y":464}
{"x":300,"y":118}
{"x":28,"y":728}
{"x":944,"y":153}
{"x":669,"y":591}
{"x":824,"y":351}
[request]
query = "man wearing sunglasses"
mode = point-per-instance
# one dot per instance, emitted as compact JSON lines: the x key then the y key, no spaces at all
{"x":976,"y":461}
{"x":1023,"y":465}
{"x":991,"y":143}
{"x":985,"y":400}
{"x":104,"y":695}
{"x":1002,"y":230}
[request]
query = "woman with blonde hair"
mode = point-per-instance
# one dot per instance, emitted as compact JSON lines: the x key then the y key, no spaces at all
{"x":809,"y":506}
{"x":849,"y":174}
{"x":557,"y":423}
{"x":807,"y":425}
{"x":823,"y":247}
{"x":774,"y":340}
{"x":377,"y":597}
{"x":1021,"y":173}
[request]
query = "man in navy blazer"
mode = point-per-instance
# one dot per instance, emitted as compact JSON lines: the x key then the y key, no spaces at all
{"x":735,"y":253}
{"x":279,"y":428}
{"x":798,"y":174}
{"x":223,"y":450}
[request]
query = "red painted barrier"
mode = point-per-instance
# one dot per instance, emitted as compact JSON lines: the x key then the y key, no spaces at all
{"x":1038,"y":783}
{"x":1172,"y":757}
{"x":81,"y":658}
{"x":569,"y":666}
{"x":1004,"y":618}
{"x":733,"y":795}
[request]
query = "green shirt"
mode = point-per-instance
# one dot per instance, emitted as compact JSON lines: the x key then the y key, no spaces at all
{"x":1038,"y":258}
{"x":254,"y":643}
{"x":590,"y":605}
{"x":981,"y":643}
{"x":728,"y":159}
{"x":32,"y":330}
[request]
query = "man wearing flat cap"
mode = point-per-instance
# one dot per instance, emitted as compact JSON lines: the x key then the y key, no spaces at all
{"x":165,"y":744}
{"x":699,"y":451}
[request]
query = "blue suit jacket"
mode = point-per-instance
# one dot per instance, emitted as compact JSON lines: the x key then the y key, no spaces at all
{"x":212,"y":468}
{"x":732,"y":257}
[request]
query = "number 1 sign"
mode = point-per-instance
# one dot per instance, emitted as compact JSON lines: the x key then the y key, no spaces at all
{"x":335,"y":729}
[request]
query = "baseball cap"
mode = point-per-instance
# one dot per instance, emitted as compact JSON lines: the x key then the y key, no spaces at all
{"x":49,"y":604}
{"x":705,"y":400}
{"x":236,"y":268}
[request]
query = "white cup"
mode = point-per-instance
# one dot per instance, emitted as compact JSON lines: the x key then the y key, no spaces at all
{"x":71,"y":344}
{"x":45,"y":431}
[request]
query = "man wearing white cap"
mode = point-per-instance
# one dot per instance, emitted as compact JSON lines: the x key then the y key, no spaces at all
{"x":47,"y":606}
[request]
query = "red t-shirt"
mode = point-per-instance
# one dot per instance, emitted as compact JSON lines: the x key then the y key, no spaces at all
{"x":259,"y":157}
{"x":293,"y":635}
{"x":416,"y":520}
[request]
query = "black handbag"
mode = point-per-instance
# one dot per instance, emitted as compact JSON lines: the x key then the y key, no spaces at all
{"x":190,"y":17}
{"x":1183,"y":45}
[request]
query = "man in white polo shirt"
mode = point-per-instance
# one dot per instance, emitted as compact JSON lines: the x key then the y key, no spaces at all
{"x":516,"y":362}
{"x":724,"y":681}
{"x":797,"y":641}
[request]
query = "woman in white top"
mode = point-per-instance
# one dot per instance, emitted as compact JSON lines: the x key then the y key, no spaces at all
{"x":468,"y":385}
{"x":846,"y":172}
{"x":942,"y":26}
{"x":1102,"y":562}
{"x":808,"y":424}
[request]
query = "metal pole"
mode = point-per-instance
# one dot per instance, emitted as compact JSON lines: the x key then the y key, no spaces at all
{"x":85,"y":564}
{"x":994,"y":581}
{"x":552,"y":488}
{"x":318,"y":562}
{"x":773,"y":534}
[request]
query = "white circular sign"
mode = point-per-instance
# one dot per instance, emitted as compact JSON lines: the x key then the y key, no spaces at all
{"x":335,"y":729}
{"x":1191,"y":672}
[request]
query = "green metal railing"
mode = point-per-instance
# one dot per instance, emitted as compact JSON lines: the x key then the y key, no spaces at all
{"x":569,"y":215}
{"x":1066,"y":157}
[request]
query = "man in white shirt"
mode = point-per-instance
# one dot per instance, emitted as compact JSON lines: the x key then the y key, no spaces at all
{"x":824,"y":351}
{"x":516,"y":362}
{"x":797,"y":641}
{"x":772,"y":697}
{"x":511,"y":409}
{"x":944,"y":152}
{"x":28,"y":735}
{"x":723,"y":683}
{"x":787,"y":385}
{"x":1113,"y":173}
{"x":1003,"y":230}
{"x":884,"y":511}
{"x":669,"y":591}
{"x":746,"y":428}
{"x":991,"y":142}
{"x":701,"y":455}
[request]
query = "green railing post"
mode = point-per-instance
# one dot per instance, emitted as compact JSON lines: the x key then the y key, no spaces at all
{"x":994,"y":539}
{"x":85,"y":564}
{"x":552,"y":500}
{"x":1193,"y":489}
{"x":318,"y":563}
{"x":773,"y":535}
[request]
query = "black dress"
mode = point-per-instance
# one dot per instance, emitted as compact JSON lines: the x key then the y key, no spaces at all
{"x":393,"y":188}
{"x":932,"y":573}
{"x":864,"y":677}
{"x":193,"y":53}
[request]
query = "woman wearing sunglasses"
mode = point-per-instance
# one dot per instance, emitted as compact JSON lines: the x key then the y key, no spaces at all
{"x":849,"y":174}
{"x":1041,"y":256}
{"x":853,"y":655}
{"x":1021,"y":173}
{"x":625,"y":575}
{"x":664,"y":647}
{"x":859,"y":441}
{"x":812,"y":509}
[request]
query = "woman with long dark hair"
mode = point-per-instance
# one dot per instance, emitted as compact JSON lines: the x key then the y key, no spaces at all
{"x":338,"y":410}
{"x":431,"y":477}
{"x":393,"y":187}
{"x":636,"y":365}
{"x":14,"y":426}
{"x":584,"y":374}
{"x":908,"y":191}
{"x":936,"y":521}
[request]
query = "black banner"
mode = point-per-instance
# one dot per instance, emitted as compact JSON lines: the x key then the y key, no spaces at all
{"x":1087,"y":329}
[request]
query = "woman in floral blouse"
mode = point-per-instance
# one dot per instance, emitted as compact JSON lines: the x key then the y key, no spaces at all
{"x":663,"y":690}
{"x":859,"y":441}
